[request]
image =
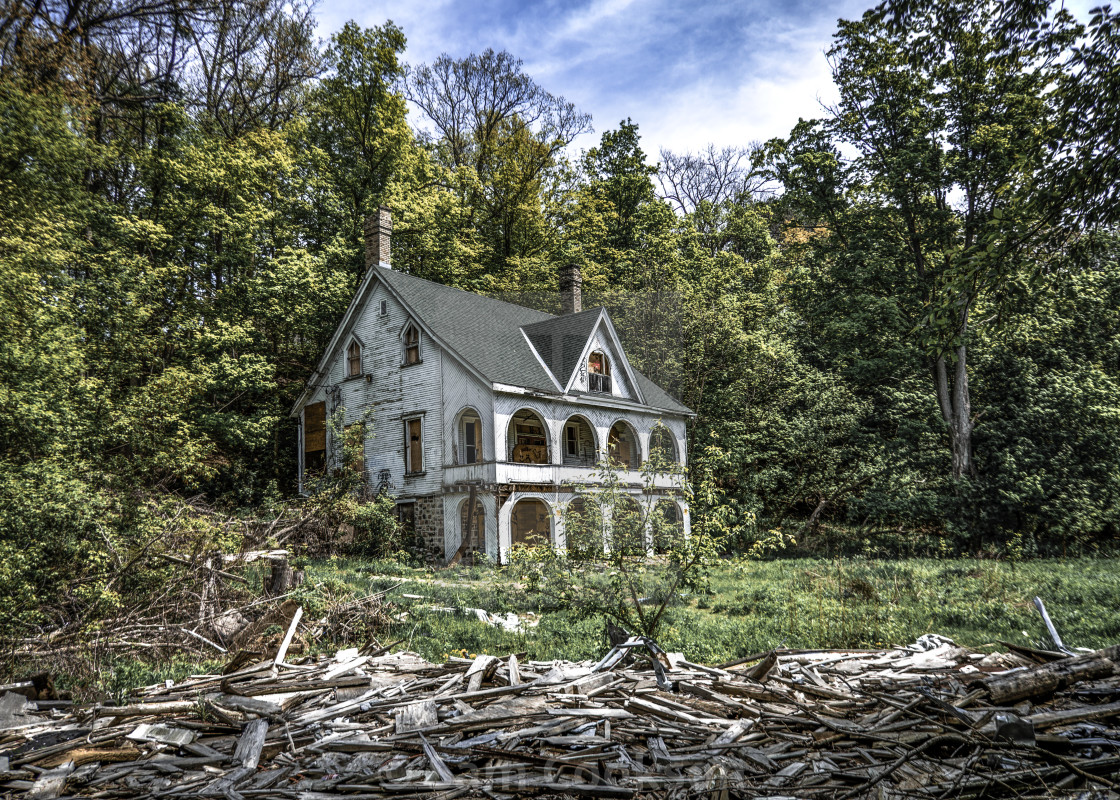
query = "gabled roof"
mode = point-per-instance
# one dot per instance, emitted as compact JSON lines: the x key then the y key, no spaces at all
{"x":484,"y":332}
{"x":492,"y":337}
{"x":560,"y":341}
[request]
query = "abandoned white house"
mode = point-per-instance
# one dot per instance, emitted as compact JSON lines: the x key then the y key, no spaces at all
{"x":464,"y":396}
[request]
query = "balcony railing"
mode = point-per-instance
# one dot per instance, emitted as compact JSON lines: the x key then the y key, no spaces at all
{"x":597,"y":382}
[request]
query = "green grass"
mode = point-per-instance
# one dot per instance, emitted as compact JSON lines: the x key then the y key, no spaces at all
{"x":751,"y":606}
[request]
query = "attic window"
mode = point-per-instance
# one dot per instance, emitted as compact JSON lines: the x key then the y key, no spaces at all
{"x":353,"y":360}
{"x":384,"y":308}
{"x":411,"y":344}
{"x":598,"y":373}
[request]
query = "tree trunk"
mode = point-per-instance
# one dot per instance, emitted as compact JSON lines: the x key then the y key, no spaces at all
{"x":956,"y":405}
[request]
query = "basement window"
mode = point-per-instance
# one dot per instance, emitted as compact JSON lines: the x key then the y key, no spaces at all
{"x":406,"y":515}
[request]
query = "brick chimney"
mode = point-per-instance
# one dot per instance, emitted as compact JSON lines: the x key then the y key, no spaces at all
{"x":379,"y":227}
{"x":571,"y":289}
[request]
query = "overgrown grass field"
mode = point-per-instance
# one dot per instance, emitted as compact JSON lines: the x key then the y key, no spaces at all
{"x":754,"y":606}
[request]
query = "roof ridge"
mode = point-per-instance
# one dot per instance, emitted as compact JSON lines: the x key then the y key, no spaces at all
{"x":479,"y":295}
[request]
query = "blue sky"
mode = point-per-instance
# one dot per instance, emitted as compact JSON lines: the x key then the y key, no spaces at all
{"x":728,"y":73}
{"x":720,"y":72}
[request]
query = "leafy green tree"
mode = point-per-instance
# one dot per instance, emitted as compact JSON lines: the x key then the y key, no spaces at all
{"x":500,"y":135}
{"x":952,"y":128}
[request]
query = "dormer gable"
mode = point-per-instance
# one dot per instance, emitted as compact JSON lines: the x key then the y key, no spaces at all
{"x":566,"y":346}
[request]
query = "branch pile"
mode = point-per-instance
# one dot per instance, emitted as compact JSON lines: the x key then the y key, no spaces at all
{"x":930,"y":721}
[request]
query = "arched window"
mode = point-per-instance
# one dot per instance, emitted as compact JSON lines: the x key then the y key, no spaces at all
{"x":530,"y":523}
{"x":528,"y":439}
{"x":662,"y":447}
{"x":598,"y":373}
{"x":353,"y":359}
{"x":470,"y":437}
{"x":411,"y":344}
{"x":622,"y":446}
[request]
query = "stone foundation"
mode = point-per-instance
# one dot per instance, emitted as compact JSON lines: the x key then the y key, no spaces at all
{"x":429,"y":527}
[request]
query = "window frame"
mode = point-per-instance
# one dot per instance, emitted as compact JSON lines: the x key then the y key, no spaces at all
{"x":471,"y":444}
{"x":349,"y":359}
{"x":406,"y":347}
{"x":599,"y":381}
{"x":409,"y":466}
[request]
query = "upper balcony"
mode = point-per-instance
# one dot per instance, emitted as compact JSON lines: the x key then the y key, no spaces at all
{"x":544,"y":475}
{"x":533,"y":454}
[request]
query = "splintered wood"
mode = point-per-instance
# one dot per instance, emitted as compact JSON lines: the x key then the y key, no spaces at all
{"x":930,"y":721}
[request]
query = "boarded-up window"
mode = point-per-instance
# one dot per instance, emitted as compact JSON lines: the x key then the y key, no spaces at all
{"x":412,"y":345}
{"x":530,"y":523}
{"x":413,"y":446}
{"x":314,"y":437}
{"x":353,"y":360}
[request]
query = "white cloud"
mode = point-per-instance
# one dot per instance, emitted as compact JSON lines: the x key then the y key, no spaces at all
{"x":725,"y":72}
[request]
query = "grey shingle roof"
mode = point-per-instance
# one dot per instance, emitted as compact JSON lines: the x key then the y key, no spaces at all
{"x":487,"y":334}
{"x":560,"y":340}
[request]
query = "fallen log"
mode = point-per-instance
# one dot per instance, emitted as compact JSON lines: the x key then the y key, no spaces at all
{"x":1049,"y":678}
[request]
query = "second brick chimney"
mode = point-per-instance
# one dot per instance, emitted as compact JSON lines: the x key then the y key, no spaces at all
{"x":379,"y":228}
{"x":571,"y":289}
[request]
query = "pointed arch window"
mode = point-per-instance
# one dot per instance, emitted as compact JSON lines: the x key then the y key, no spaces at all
{"x":598,"y":373}
{"x":411,"y":344}
{"x":353,"y":359}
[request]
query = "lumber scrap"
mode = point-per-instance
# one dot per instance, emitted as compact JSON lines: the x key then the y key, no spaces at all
{"x":829,"y":724}
{"x":1049,"y":678}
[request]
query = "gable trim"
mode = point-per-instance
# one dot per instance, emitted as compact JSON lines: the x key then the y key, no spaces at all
{"x":605,"y":321}
{"x":359,"y":301}
{"x":547,"y":369}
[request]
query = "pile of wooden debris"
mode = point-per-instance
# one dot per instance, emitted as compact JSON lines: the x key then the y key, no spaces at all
{"x":932,"y":720}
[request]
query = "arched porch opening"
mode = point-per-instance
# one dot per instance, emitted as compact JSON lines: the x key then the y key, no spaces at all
{"x":666,"y":525}
{"x":663,"y":447}
{"x":527,"y":439}
{"x":583,"y":528}
{"x":530,"y":523}
{"x":622,"y":446}
{"x":628,"y":527}
{"x":468,"y":444}
{"x":472,"y":525}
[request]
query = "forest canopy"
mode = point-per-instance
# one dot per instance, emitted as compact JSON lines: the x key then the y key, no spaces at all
{"x":902,"y":317}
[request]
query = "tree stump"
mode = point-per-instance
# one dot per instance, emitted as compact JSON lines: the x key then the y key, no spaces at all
{"x":281,"y":578}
